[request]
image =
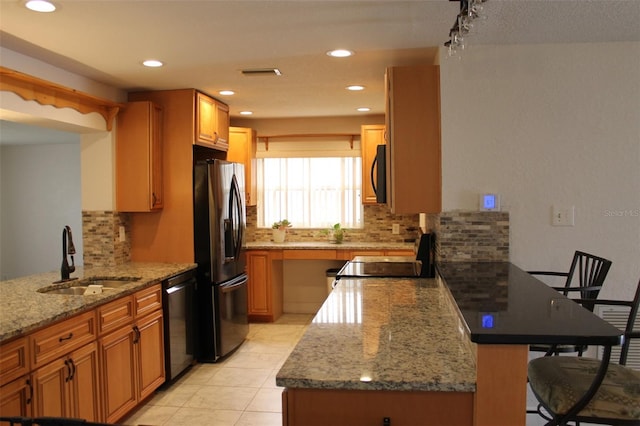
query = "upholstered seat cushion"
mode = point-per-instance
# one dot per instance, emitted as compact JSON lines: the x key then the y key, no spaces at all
{"x":560,"y":381}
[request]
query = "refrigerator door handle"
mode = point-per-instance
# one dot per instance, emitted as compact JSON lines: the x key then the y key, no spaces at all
{"x":233,"y":284}
{"x":235,"y":202}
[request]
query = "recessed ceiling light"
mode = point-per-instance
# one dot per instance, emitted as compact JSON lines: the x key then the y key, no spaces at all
{"x":152,"y":63}
{"x":246,"y":112}
{"x":364,"y":109}
{"x":40,"y":6}
{"x":355,"y":87}
{"x":340,"y":53}
{"x":227,"y":92}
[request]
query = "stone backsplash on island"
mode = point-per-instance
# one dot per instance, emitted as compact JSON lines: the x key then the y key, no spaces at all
{"x":471,"y":236}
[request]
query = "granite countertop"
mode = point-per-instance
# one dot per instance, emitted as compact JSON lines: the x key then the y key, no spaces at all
{"x":24,"y":309}
{"x":384,"y":334}
{"x":320,"y":245}
{"x":502,"y":304}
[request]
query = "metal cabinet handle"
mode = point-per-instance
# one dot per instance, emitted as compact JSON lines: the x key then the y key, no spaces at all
{"x":67,"y":364}
{"x":136,"y":330}
{"x":69,"y":337}
{"x":73,"y":369}
{"x":30,"y":387}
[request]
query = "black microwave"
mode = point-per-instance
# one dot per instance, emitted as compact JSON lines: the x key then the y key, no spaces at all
{"x":379,"y":174}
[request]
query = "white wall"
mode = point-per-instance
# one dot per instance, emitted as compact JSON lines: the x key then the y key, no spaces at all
{"x":40,"y":194}
{"x":544,"y":125}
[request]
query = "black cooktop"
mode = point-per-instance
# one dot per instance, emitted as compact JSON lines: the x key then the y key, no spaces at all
{"x":380,"y":269}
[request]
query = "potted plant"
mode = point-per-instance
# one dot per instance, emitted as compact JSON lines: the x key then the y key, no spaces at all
{"x":280,"y":230}
{"x":335,"y":233}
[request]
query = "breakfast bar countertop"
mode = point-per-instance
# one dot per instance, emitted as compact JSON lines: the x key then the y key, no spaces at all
{"x":24,"y":309}
{"x":384,"y":334}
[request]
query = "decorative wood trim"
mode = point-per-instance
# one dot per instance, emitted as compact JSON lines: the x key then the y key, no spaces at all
{"x":45,"y":92}
{"x":351,"y":137}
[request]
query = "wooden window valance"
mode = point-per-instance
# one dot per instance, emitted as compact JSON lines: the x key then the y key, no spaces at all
{"x":45,"y":92}
{"x":350,"y":136}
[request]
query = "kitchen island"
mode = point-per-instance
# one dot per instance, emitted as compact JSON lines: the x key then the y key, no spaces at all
{"x":446,"y":351}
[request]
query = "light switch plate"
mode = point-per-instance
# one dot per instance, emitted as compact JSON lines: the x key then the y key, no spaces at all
{"x":563,"y":215}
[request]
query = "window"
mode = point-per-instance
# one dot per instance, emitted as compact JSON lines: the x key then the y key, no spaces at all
{"x":314,"y":192}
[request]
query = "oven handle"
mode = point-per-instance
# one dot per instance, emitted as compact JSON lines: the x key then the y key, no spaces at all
{"x":234,"y":284}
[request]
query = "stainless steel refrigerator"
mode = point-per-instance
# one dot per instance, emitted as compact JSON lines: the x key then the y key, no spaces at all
{"x":219,"y":225}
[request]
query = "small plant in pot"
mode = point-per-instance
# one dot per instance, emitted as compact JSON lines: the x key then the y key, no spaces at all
{"x":280,"y":230}
{"x":335,"y":234}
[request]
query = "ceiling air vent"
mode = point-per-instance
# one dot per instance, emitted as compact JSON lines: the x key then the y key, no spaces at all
{"x":261,"y":71}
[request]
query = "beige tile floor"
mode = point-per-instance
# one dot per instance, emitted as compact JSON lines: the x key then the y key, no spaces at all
{"x":239,"y":391}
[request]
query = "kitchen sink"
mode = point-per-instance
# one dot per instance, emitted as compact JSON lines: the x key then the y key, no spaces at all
{"x":113,"y":282}
{"x":79,"y":287}
{"x":77,"y":290}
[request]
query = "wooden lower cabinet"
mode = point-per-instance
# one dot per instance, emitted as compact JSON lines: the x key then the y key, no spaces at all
{"x":321,"y":407}
{"x":264,"y":269}
{"x":132,"y":364}
{"x":15,"y":398}
{"x":150,"y":354}
{"x":118,"y":367}
{"x":68,"y":386}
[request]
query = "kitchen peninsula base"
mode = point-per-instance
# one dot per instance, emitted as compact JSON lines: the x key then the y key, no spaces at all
{"x":320,"y":407}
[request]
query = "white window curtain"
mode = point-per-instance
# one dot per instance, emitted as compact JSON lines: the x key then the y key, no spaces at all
{"x":310,"y":192}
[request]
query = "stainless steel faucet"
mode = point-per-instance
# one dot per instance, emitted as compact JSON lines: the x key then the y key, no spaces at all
{"x":67,"y":249}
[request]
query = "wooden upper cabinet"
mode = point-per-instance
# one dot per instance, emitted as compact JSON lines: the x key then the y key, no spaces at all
{"x":370,"y":137}
{"x":139,"y":158}
{"x":242,"y":149}
{"x":212,"y":123}
{"x":414,"y":182}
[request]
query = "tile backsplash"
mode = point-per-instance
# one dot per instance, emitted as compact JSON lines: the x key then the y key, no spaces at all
{"x":100,"y":236}
{"x":471,"y":236}
{"x":461,"y":236}
{"x":377,"y":227}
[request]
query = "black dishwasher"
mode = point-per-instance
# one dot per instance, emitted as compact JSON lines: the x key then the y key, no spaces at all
{"x":179,"y":323}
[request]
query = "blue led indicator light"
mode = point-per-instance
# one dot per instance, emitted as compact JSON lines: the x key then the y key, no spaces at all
{"x":487,"y":321}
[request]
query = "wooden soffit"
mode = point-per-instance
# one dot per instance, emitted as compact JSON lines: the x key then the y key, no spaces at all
{"x":45,"y":92}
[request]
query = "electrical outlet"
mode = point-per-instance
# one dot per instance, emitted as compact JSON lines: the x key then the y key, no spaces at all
{"x":563,"y":216}
{"x":395,"y":229}
{"x":122,"y":235}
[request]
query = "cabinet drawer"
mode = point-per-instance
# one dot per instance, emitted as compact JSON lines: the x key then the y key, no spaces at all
{"x":61,"y":338}
{"x":14,"y":360}
{"x":115,"y":314}
{"x":148,"y":300}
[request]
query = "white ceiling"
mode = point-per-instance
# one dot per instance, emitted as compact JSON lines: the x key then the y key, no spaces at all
{"x":206,"y":43}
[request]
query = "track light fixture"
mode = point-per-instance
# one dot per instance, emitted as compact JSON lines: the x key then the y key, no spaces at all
{"x":471,"y":12}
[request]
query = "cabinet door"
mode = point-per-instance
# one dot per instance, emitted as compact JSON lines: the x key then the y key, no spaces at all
{"x":370,"y":137}
{"x":205,"y":119}
{"x":15,"y":398}
{"x":150,"y":353}
{"x":212,"y":123}
{"x":51,"y":396}
{"x":85,"y":386}
{"x":222,"y":126}
{"x":139,"y":158}
{"x":242,"y":149}
{"x":259,"y":283}
{"x":118,"y":373}
{"x":414,"y":182}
